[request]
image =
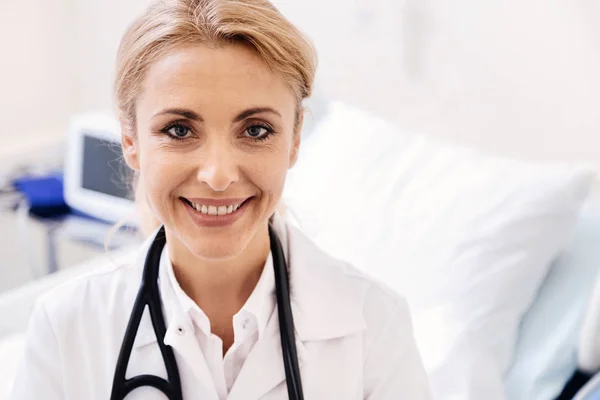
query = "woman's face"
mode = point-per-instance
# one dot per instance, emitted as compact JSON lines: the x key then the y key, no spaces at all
{"x":214,"y":140}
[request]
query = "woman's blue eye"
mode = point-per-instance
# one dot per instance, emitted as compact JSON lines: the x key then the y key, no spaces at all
{"x":257,"y":132}
{"x":179,"y":131}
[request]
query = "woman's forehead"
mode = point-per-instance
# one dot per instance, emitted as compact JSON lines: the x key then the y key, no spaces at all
{"x":231,"y":76}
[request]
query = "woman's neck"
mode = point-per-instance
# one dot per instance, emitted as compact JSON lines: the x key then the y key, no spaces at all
{"x":220,"y":287}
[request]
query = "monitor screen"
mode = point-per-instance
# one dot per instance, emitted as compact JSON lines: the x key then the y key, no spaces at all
{"x":104,"y":169}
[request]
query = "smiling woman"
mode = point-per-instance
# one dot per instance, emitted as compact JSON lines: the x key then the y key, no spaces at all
{"x":223,"y":136}
{"x":210,"y":95}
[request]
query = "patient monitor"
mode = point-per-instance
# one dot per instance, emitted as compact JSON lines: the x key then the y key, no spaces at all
{"x":97,"y":180}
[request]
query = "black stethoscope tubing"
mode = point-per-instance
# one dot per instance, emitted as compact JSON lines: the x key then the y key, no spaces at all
{"x":149,"y":295}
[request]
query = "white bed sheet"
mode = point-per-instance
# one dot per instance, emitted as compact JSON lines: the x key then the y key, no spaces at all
{"x":546,"y":353}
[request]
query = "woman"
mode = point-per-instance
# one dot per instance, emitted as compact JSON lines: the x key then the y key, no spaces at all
{"x":210,"y":98}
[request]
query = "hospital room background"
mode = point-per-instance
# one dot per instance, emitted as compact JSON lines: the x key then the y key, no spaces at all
{"x":463,"y":138}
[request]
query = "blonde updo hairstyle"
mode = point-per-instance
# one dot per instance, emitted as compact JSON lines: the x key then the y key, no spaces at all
{"x":170,"y":24}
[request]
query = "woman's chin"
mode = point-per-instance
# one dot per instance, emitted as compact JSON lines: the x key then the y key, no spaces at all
{"x":215,"y":252}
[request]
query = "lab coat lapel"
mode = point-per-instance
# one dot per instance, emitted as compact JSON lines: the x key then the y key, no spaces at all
{"x":263,"y":370}
{"x":187,"y":353}
{"x":181,"y":337}
{"x":318,"y":315}
{"x":324,"y":302}
{"x":190,"y":360}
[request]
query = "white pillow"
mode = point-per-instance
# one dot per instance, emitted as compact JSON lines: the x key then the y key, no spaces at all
{"x":466,"y":238}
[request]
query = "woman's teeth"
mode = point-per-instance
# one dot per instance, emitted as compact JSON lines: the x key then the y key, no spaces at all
{"x":214,"y":210}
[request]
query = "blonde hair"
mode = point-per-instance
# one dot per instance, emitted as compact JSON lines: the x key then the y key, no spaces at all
{"x":170,"y":24}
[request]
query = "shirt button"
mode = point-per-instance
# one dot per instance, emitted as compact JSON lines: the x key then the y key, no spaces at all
{"x":181,"y":331}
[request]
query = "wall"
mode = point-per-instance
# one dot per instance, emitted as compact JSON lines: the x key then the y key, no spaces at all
{"x":100,"y":27}
{"x":510,"y":77}
{"x":525,"y":76}
{"x":37,"y":90}
{"x":513,"y":78}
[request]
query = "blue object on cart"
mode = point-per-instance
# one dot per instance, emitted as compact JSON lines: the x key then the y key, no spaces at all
{"x":45,"y":195}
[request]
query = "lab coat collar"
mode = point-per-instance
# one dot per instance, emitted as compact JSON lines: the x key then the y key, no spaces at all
{"x":179,"y":329}
{"x":324,"y":304}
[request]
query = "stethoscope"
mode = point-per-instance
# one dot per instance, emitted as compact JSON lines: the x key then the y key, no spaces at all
{"x":149,"y":295}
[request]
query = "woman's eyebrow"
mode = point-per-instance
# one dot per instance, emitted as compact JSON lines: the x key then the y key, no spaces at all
{"x":193,"y":116}
{"x":256,"y":110}
{"x":189,"y":114}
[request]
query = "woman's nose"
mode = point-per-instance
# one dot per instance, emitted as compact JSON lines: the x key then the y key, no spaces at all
{"x":219,"y":167}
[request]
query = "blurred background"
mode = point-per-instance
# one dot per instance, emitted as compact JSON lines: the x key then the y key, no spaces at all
{"x":511,"y":78}
{"x":514,"y":79}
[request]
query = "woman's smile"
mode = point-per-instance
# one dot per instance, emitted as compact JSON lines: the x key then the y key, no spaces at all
{"x":215,"y":213}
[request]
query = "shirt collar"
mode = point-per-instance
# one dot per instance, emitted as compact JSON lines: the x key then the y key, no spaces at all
{"x":259,"y":305}
{"x":261,"y":302}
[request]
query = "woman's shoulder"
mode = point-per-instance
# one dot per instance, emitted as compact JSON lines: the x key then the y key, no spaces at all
{"x":353,"y":288}
{"x":107,"y":283}
{"x":380,"y":302}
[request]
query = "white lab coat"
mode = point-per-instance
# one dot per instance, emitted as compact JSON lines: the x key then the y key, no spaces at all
{"x":353,"y":336}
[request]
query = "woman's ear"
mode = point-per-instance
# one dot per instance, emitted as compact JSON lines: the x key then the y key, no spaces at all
{"x":129,"y":146}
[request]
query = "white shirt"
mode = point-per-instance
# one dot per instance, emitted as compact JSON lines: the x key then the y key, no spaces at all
{"x":248,"y":326}
{"x":354,"y":337}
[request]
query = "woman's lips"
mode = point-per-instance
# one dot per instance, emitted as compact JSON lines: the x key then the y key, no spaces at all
{"x":206,"y":219}
{"x":216,"y":202}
